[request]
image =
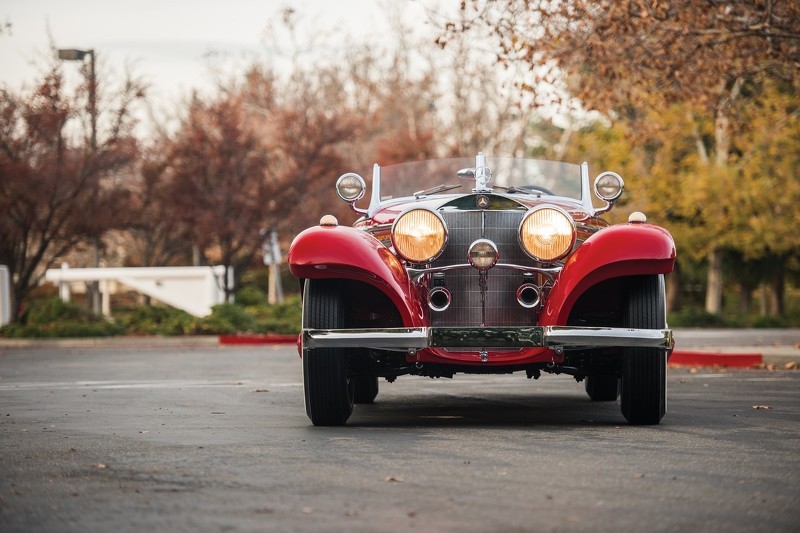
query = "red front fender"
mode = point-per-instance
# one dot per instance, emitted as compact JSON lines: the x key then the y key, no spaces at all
{"x":344,"y":252}
{"x":616,"y":251}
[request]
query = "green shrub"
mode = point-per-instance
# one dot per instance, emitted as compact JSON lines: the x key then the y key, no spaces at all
{"x":158,"y":320}
{"x":226,"y":319}
{"x":285,"y":318}
{"x":691,"y":317}
{"x":765,"y":321}
{"x":52,"y":310}
{"x":250,"y":295}
{"x":53,"y":317}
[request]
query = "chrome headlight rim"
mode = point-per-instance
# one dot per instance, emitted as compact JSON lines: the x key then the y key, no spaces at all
{"x":492,"y":246}
{"x":620,"y":186}
{"x":361,"y":183}
{"x":445,"y":236}
{"x":573,"y":232}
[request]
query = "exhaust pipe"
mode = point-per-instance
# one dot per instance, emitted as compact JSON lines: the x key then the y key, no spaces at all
{"x":439,"y":299}
{"x":528,"y":295}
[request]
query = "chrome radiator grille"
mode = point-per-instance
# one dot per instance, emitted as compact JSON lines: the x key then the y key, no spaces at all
{"x":502,"y":308}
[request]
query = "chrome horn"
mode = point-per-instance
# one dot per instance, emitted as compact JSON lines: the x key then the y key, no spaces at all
{"x":439,"y":299}
{"x":528,"y":295}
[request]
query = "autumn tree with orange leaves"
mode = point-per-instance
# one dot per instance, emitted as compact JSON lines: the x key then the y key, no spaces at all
{"x":58,"y":191}
{"x":625,"y":58}
{"x":256,"y":157}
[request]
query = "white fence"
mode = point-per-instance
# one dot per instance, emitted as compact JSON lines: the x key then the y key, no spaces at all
{"x":5,"y":296}
{"x":193,"y":289}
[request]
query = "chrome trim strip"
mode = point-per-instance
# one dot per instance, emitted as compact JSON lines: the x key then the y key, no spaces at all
{"x":375,"y":197}
{"x":558,"y":337}
{"x":416,"y":273}
{"x":586,"y":337}
{"x":400,"y":339}
{"x":586,"y":193}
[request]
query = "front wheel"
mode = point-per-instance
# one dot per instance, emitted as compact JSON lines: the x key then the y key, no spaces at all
{"x":329,"y":392}
{"x":644,"y":370}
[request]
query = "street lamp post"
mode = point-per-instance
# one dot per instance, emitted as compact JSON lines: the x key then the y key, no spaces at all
{"x":76,"y":54}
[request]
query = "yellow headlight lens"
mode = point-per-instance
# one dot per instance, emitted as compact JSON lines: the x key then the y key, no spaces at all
{"x":418,"y":235}
{"x":547,"y":234}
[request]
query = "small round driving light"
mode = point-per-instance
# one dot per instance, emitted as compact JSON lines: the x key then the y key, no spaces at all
{"x":637,"y":217}
{"x":329,"y":221}
{"x":350,"y":187}
{"x":419,"y":235}
{"x":547,"y":233}
{"x":483,"y":254}
{"x":608,"y":186}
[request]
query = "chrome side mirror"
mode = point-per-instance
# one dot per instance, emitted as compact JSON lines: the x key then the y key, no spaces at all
{"x":351,"y":188}
{"x":608,"y":186}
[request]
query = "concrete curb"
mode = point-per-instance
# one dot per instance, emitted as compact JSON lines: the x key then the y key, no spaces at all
{"x":737,"y":356}
{"x":112,"y":342}
{"x":187,"y":341}
{"x":234,"y":340}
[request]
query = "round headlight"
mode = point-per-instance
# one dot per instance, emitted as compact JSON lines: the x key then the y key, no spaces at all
{"x":350,"y":187}
{"x":419,"y":235}
{"x":608,"y":186}
{"x":547,"y":233}
{"x":482,"y":254}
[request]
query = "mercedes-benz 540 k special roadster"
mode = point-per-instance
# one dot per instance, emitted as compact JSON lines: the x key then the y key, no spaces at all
{"x":483,"y":265}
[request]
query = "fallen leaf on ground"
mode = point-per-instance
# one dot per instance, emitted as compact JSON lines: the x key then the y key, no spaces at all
{"x":762,"y":407}
{"x":101,"y":466}
{"x":791,"y":365}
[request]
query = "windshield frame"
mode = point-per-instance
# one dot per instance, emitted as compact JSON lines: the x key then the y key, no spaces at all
{"x":376,"y":203}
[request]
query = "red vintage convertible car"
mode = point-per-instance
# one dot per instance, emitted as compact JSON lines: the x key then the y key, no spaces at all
{"x":484,"y":265}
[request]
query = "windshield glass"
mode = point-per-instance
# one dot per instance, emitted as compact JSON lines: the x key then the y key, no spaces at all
{"x":525,"y":175}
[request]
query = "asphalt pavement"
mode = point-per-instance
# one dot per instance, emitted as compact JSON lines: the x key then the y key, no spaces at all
{"x":215,"y":438}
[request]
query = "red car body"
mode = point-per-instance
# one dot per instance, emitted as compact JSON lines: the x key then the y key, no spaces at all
{"x":583,"y":321}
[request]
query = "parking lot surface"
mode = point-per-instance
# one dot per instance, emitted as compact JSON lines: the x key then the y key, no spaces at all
{"x":215,"y":438}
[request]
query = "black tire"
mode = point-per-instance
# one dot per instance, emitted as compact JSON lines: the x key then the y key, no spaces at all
{"x":602,"y":388}
{"x":644,"y":370}
{"x":328,"y":390}
{"x":366,"y":389}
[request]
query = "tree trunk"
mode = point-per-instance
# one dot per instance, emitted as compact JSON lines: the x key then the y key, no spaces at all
{"x":714,"y":283}
{"x":227,"y":282}
{"x":722,"y":141}
{"x":745,"y":297}
{"x":674,"y":289}
{"x":195,"y":255}
{"x":702,"y":152}
{"x":777,"y":287}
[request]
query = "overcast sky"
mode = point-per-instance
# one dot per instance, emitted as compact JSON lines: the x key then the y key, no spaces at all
{"x":167,"y":41}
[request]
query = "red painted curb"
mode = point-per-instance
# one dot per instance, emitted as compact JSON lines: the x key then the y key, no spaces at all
{"x":228,"y":340}
{"x":739,"y":360}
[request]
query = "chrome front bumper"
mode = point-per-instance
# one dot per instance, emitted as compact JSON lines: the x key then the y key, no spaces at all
{"x":555,"y":337}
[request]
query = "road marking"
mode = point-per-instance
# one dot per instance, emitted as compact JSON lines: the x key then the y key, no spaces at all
{"x":131,"y":384}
